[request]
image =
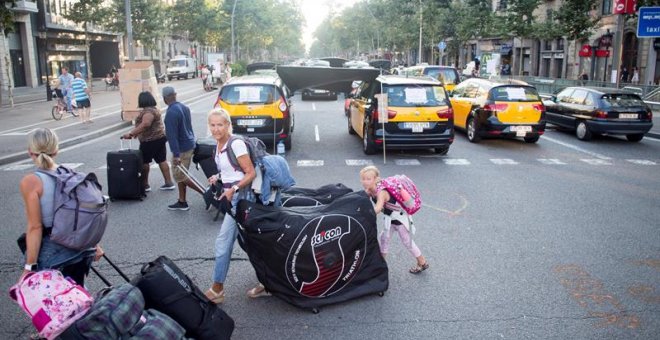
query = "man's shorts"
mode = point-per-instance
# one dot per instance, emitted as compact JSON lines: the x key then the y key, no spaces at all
{"x":154,"y":150}
{"x":185,"y":157}
{"x":83,"y":103}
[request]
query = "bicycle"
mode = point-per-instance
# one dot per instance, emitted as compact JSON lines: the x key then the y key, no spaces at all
{"x":59,"y":109}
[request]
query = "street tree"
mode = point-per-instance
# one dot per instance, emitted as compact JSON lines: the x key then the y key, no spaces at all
{"x":87,"y":13}
{"x":6,"y":26}
{"x":199,"y":20}
{"x":148,"y":19}
{"x":517,"y":20}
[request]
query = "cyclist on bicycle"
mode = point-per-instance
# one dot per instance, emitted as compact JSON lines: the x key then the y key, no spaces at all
{"x":66,"y":80}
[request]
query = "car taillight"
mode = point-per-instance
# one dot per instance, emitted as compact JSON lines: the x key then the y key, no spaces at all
{"x":538,"y":107}
{"x":284,"y":108}
{"x":446,"y":113}
{"x":601,"y":114}
{"x":390,"y":114}
{"x":495,"y":108}
{"x":649,"y":114}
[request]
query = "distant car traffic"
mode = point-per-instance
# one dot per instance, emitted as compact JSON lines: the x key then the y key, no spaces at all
{"x":417,"y":114}
{"x":259,"y":107}
{"x":487,"y":108}
{"x":594,"y":110}
{"x":308,"y":94}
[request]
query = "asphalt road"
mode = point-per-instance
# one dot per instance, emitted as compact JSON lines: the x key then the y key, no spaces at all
{"x":554,"y":240}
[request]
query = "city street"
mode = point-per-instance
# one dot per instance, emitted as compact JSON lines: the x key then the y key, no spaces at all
{"x":553,"y":240}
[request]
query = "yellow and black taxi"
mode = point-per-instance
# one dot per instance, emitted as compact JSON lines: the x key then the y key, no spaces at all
{"x":599,"y":110}
{"x":259,"y":107}
{"x":447,"y":75}
{"x":492,"y":108}
{"x":401,"y":112}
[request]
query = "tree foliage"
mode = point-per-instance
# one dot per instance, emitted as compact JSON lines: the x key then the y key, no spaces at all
{"x":148,"y":19}
{"x":7,"y":16}
{"x":574,"y":19}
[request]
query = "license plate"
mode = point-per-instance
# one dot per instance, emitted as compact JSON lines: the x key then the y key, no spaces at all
{"x":319,"y":91}
{"x":416,"y":127}
{"x":523,"y":128}
{"x":628,"y":116}
{"x":250,"y":122}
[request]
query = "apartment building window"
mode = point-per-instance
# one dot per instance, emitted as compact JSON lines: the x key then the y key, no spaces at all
{"x":501,"y":6}
{"x":607,"y":7}
{"x":560,"y":44}
{"x":548,"y":45}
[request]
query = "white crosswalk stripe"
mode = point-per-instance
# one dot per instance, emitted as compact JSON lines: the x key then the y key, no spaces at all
{"x":456,"y":161}
{"x":551,"y":161}
{"x":359,"y":162}
{"x":407,"y":162}
{"x":503,"y":161}
{"x":596,"y":161}
{"x":72,"y":165}
{"x":18,"y":167}
{"x":641,"y":161}
{"x":307,"y":162}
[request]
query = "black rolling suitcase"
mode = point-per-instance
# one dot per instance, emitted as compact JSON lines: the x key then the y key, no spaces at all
{"x":125,"y":173}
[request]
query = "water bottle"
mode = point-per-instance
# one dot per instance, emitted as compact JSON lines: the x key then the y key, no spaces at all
{"x":280,"y":148}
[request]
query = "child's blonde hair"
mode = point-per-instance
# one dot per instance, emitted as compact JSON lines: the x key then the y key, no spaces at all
{"x":370,"y":168}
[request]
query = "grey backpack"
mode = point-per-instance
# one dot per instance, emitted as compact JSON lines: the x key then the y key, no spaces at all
{"x":80,"y":209}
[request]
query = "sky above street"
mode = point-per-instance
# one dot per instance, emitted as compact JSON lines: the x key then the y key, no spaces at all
{"x":315,"y":11}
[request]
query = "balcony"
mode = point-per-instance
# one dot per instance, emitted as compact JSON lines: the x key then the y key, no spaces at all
{"x":24,"y":7}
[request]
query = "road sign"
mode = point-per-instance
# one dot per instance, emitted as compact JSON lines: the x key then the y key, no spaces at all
{"x":648,"y":22}
{"x":442,"y":45}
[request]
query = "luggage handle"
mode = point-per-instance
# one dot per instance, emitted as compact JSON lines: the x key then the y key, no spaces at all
{"x":121,"y":143}
{"x":194,"y":180}
{"x":103,"y":278}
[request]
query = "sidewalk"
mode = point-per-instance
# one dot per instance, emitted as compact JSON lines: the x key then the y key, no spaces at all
{"x":31,"y":110}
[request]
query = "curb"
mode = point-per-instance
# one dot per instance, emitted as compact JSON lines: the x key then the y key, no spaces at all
{"x":653,"y":134}
{"x":19,"y":156}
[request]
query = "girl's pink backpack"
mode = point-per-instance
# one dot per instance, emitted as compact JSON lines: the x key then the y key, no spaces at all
{"x":52,"y":301}
{"x":404,"y":192}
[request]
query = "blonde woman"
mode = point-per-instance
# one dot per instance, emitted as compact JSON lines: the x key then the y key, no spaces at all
{"x":37,"y":190}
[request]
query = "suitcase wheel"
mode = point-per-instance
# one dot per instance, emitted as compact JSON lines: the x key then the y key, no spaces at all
{"x":315,"y":310}
{"x":381,"y":294}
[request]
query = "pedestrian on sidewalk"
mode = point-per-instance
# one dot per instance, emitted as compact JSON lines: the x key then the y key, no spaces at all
{"x":150,"y":131}
{"x":82,"y":96}
{"x":66,"y":80}
{"x":635,"y":76}
{"x":236,"y":184}
{"x":38,"y":192}
{"x":401,"y":223}
{"x":180,"y":136}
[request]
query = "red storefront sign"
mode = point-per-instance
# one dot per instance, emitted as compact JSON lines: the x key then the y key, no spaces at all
{"x":585,"y":51}
{"x":625,"y":6}
{"x":602,"y":53}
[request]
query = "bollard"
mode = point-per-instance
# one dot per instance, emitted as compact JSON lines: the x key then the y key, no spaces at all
{"x":49,"y":93}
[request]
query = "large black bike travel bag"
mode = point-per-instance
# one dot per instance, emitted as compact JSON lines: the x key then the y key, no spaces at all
{"x":125,"y":173}
{"x":308,"y":197}
{"x":168,"y":290}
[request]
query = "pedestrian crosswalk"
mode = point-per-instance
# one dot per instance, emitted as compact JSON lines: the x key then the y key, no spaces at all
{"x":412,"y":162}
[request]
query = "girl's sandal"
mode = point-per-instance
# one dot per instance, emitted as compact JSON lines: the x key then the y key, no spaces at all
{"x":257,"y":291}
{"x":214,"y":296}
{"x":418,"y":269}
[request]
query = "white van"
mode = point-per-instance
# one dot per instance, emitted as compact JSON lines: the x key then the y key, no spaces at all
{"x":181,"y":66}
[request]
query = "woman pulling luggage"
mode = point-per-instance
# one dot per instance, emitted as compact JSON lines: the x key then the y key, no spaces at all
{"x":236,"y":185}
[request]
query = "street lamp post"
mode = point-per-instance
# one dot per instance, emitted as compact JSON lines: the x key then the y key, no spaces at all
{"x":129,"y":30}
{"x":419,"y":55}
{"x":233,"y":10}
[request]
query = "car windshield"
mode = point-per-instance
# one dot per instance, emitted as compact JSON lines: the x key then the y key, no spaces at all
{"x":176,"y":63}
{"x":621,"y":100}
{"x":415,"y":95}
{"x":248,"y":94}
{"x":514,"y":94}
{"x":447,"y":76}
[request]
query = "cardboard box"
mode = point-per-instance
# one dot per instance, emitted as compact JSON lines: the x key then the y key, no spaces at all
{"x":136,"y":77}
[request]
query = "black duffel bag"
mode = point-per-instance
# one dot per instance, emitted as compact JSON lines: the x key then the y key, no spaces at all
{"x":204,"y":156}
{"x":306,"y":197}
{"x":167,"y":289}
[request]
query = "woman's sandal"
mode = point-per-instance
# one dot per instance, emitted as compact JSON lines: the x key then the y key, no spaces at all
{"x":257,"y":291}
{"x":215,"y":297}
{"x":418,"y":269}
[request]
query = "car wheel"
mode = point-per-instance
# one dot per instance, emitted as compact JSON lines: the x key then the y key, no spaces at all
{"x":287,"y":143}
{"x":635,"y":137}
{"x":441,"y":150}
{"x":472,"y":131}
{"x":582,"y":131}
{"x":368,"y":145}
{"x":169,"y":78}
{"x":351,"y":131}
{"x":532,"y":139}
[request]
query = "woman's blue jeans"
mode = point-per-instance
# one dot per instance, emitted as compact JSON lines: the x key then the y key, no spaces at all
{"x":224,"y":242}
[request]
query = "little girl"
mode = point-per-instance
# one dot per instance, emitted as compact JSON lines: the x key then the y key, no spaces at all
{"x":394,"y":217}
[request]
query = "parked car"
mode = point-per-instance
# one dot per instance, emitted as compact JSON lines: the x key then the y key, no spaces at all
{"x":447,"y":75}
{"x":417,"y":114}
{"x":259,"y":107}
{"x":488,"y":108}
{"x":597,"y":110}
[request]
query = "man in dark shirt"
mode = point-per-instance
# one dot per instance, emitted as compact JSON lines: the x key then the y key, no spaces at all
{"x":180,"y":136}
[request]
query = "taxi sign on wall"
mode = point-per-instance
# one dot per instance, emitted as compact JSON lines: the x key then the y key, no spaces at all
{"x":648,"y":22}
